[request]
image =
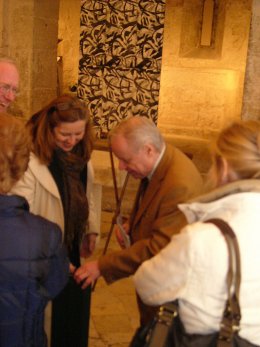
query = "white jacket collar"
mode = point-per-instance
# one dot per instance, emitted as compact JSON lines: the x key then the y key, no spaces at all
{"x":43,"y":175}
{"x":223,"y":201}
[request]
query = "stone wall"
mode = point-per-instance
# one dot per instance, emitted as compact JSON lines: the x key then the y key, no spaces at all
{"x":251,"y":101}
{"x":29,"y":31}
{"x":202,"y":87}
{"x":68,"y":47}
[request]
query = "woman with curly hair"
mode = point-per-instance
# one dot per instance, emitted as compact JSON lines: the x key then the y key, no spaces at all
{"x":34,"y":267}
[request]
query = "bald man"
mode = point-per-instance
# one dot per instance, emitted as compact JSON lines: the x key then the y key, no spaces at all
{"x":9,"y":83}
{"x":172,"y":178}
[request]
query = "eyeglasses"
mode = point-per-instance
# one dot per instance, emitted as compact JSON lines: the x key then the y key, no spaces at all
{"x":7,"y":88}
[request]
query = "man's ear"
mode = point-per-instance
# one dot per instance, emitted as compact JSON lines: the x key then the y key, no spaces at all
{"x":226,"y":174}
{"x":149,"y":149}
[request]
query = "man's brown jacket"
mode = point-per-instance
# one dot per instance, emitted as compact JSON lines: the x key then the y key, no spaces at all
{"x":175,"y":180}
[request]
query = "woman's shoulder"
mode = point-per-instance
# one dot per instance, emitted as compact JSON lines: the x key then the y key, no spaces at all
{"x":90,"y":169}
{"x":34,"y":160}
{"x":200,"y":235}
{"x":201,"y":229}
{"x":39,"y":170}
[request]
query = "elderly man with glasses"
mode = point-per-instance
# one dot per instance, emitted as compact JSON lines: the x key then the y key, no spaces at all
{"x":9,"y":83}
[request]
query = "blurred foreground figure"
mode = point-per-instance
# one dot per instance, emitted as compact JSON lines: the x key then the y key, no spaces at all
{"x":33,"y":264}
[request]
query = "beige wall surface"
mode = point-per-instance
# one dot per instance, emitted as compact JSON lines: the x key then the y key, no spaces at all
{"x":29,"y":31}
{"x":251,"y":102}
{"x":202,"y":87}
{"x":68,"y":47}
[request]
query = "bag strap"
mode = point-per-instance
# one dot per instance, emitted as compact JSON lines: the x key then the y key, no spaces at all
{"x":162,"y":324}
{"x":231,"y":315}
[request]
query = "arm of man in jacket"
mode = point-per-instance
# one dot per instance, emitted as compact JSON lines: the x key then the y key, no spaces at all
{"x":125,"y":262}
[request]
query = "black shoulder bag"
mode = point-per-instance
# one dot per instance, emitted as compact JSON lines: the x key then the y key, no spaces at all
{"x":167,"y":330}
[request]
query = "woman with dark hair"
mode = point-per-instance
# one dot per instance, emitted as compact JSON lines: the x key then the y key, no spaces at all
{"x":59,"y":186}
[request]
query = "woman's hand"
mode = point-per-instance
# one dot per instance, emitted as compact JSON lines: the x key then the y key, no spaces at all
{"x":72,"y":269}
{"x":88,"y":245}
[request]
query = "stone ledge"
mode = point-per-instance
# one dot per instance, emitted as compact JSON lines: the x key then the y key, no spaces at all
{"x":103,"y":172}
{"x":195,"y":148}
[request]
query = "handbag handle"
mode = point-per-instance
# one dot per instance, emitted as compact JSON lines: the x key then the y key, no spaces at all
{"x":231,"y":315}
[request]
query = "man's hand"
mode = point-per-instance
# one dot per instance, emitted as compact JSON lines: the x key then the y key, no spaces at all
{"x":87,"y":274}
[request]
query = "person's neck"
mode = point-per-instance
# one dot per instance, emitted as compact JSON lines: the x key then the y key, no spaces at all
{"x":157,"y":159}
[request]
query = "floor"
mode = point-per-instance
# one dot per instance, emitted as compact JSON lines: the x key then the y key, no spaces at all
{"x":114,"y":315}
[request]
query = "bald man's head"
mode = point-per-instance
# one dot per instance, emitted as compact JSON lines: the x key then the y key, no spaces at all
{"x":9,"y":83}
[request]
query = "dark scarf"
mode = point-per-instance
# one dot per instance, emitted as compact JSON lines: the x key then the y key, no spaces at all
{"x":67,"y":170}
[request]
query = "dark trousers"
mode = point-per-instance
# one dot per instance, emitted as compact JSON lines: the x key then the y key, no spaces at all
{"x":70,"y":316}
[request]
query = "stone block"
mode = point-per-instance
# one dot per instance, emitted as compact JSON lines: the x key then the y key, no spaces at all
{"x":48,"y":39}
{"x":44,"y":69}
{"x":46,"y":9}
{"x":41,"y":97}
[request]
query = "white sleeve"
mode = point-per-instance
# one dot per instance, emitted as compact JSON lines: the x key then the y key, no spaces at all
{"x":163,"y":278}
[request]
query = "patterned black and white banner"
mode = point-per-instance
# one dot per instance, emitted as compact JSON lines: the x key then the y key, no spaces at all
{"x":120,"y":59}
